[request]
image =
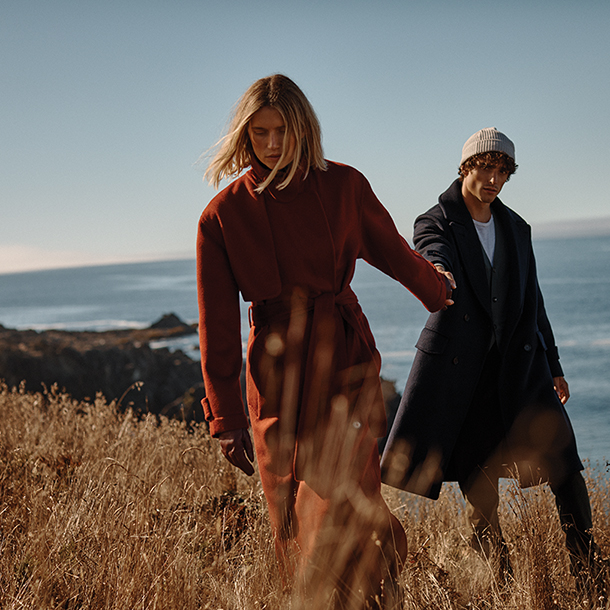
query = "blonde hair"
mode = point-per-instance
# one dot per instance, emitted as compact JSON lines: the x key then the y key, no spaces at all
{"x":234,"y":151}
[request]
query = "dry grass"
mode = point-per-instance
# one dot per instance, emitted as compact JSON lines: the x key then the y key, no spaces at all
{"x":101,"y":510}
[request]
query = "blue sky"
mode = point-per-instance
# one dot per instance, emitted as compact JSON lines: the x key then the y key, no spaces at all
{"x":106,"y":106}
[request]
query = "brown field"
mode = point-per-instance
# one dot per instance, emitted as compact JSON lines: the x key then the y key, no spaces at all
{"x":101,"y":510}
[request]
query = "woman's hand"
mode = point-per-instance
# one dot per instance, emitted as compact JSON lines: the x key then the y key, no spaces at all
{"x":236,"y":446}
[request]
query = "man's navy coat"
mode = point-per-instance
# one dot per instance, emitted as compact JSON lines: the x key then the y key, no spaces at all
{"x":451,"y":352}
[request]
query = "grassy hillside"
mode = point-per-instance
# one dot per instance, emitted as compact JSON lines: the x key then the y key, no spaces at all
{"x":99,"y":510}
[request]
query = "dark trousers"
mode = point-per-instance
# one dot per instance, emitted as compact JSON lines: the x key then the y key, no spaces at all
{"x":571,"y":497}
{"x":478,"y":462}
{"x":574,"y":509}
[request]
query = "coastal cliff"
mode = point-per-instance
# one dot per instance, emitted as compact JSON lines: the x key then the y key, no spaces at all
{"x":121,"y":364}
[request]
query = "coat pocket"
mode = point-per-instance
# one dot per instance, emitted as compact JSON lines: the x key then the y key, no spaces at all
{"x":431,"y":342}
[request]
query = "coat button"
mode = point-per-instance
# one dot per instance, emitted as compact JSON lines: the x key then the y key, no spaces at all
{"x":495,"y":299}
{"x":456,"y":360}
{"x":527,"y":347}
{"x":466,"y":317}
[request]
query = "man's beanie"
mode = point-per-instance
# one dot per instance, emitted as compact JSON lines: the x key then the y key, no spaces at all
{"x":487,"y":140}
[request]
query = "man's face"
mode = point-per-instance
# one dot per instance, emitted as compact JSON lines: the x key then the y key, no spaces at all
{"x":484,"y":183}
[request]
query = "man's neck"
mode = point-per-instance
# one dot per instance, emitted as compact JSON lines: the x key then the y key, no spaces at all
{"x":479,"y":210}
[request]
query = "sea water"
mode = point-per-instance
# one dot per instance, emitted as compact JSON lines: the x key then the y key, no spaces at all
{"x":574,"y":277}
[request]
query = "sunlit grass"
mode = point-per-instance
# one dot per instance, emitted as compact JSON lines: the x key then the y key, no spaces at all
{"x":100,"y":509}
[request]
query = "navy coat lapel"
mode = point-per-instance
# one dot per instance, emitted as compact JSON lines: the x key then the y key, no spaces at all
{"x":473,"y":265}
{"x":517,"y":240}
{"x":517,"y":235}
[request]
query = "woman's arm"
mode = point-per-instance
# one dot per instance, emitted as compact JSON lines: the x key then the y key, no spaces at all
{"x":219,"y":331}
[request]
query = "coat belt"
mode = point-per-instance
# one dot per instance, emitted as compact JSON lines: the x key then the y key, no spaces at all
{"x":263,"y":314}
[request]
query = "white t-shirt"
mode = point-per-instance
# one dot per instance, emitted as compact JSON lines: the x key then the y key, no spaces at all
{"x":487,"y":236}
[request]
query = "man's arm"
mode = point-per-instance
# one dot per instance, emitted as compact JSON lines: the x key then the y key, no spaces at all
{"x":552,"y":353}
{"x":432,"y":242}
{"x":544,"y":326}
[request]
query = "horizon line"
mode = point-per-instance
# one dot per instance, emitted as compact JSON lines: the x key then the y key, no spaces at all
{"x":558,"y":229}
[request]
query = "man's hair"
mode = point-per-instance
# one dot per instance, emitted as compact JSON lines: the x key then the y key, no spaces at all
{"x":488,"y":159}
{"x":234,"y":151}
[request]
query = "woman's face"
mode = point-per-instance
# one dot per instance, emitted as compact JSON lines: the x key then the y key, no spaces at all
{"x":267,"y":133}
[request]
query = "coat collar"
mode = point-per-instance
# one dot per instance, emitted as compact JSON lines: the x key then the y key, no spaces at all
{"x":247,"y":231}
{"x":259,"y":172}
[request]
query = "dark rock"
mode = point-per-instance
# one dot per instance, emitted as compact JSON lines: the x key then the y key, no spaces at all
{"x":118,"y":363}
{"x":170,"y":321}
{"x":188,"y":406}
{"x":122,"y":366}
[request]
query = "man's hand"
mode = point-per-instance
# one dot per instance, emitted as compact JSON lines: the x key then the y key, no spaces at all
{"x":449,"y":276}
{"x":236,"y":446}
{"x":561,"y":387}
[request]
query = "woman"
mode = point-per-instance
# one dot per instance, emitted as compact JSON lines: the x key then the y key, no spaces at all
{"x":286,"y":235}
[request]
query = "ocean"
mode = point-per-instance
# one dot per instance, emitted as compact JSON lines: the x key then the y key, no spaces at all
{"x":574,"y":276}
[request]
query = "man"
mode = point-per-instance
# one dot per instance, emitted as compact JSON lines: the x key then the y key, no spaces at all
{"x":485,"y":396}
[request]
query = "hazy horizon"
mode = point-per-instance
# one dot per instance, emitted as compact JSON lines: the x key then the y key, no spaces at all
{"x":573,"y":229}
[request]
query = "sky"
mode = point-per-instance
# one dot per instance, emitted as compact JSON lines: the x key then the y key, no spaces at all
{"x":105,"y":108}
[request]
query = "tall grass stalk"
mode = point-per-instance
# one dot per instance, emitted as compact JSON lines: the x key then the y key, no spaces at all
{"x":100,"y":509}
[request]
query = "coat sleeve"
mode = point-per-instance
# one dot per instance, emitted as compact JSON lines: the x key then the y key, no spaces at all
{"x":431,"y":241}
{"x":219,"y":330}
{"x":384,"y":248}
{"x":544,"y":326}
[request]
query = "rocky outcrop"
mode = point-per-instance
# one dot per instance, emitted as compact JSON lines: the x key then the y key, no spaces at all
{"x":119,"y":363}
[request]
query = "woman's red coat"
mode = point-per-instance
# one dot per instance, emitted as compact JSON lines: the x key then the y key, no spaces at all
{"x":308,"y":235}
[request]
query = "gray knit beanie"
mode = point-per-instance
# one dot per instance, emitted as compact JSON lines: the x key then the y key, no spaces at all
{"x":487,"y":140}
